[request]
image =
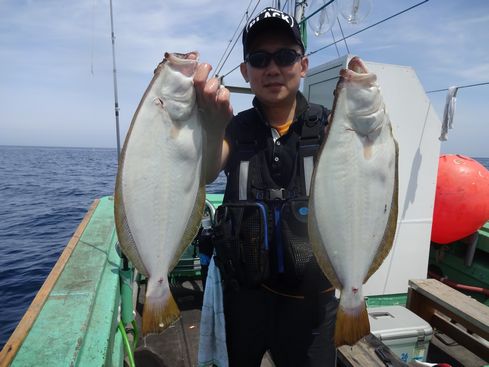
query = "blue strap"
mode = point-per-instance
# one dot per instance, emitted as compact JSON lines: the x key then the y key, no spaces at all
{"x":278,"y":240}
{"x":265,"y":224}
{"x":204,"y":259}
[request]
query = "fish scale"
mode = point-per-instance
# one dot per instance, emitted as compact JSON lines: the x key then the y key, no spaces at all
{"x":354,"y":194}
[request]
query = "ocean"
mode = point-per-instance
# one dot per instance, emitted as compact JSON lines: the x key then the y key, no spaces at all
{"x":44,"y":194}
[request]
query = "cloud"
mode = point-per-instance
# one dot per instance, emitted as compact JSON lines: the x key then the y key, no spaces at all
{"x":48,"y":50}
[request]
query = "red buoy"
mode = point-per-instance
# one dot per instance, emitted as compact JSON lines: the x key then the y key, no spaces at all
{"x":461,"y":199}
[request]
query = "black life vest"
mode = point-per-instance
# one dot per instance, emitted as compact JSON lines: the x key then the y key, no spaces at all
{"x":285,"y":260}
{"x":248,"y":171}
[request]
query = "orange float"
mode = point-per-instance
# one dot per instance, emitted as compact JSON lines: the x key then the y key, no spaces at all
{"x":461,"y":199}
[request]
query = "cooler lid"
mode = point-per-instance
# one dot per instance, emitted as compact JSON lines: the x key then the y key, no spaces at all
{"x":397,"y":322}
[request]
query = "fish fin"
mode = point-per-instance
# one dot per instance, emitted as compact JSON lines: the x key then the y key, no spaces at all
{"x":351,"y":325}
{"x":193,"y":225}
{"x":124,"y":235}
{"x":318,"y":248}
{"x":390,"y":229}
{"x":159,"y":312}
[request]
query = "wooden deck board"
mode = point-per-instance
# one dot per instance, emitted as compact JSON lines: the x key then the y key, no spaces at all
{"x":450,"y":311}
{"x":444,"y":349}
{"x":363,"y":354}
{"x":455,"y":302}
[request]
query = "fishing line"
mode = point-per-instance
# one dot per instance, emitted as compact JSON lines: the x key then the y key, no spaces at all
{"x":229,"y":54}
{"x":353,"y":34}
{"x":461,"y":87}
{"x":343,"y":35}
{"x":225,"y":75}
{"x":238,"y":28}
{"x":305,"y":19}
{"x":336,"y":46}
{"x":92,"y":46}
{"x":283,"y":7}
{"x":370,"y":26}
{"x":232,"y":37}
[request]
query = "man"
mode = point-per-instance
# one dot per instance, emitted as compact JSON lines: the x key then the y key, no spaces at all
{"x":275,"y":296}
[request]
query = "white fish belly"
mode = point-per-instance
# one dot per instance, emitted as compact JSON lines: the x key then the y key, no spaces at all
{"x":160,"y":183}
{"x":353,"y":192}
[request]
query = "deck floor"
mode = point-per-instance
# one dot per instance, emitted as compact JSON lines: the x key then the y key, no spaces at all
{"x":178,"y":345}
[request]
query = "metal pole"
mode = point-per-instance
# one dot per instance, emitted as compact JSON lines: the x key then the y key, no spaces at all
{"x":299,"y":10}
{"x":300,"y":7}
{"x":116,"y":100}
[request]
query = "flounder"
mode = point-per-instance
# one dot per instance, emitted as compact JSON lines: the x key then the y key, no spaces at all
{"x":160,"y":189}
{"x":354,"y":195}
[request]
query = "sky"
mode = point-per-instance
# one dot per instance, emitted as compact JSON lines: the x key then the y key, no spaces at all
{"x":56,"y":74}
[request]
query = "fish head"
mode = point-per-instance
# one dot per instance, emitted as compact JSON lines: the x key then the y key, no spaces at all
{"x":357,"y":71}
{"x":185,"y":64}
{"x":176,"y":90}
{"x":362,"y":98}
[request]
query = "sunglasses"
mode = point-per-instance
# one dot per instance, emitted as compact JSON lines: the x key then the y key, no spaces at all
{"x":282,"y":57}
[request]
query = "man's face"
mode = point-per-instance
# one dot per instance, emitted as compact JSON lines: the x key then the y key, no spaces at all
{"x":275,"y":85}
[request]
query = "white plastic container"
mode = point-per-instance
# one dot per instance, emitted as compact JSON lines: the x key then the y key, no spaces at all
{"x":404,"y":332}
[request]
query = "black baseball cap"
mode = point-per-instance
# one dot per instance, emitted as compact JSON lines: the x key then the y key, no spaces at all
{"x":268,"y":18}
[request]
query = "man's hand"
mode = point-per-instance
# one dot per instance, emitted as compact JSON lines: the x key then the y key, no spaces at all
{"x":212,"y":100}
{"x":215,"y":112}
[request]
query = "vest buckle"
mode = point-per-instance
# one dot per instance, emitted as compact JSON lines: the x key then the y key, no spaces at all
{"x":276,"y":194}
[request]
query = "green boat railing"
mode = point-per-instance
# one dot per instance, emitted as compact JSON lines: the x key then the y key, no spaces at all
{"x":83,"y":313}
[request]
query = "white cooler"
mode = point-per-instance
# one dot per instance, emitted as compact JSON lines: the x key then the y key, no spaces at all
{"x":404,"y":332}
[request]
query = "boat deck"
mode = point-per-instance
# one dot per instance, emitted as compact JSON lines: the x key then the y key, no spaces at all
{"x":81,"y":297}
{"x":178,"y":345}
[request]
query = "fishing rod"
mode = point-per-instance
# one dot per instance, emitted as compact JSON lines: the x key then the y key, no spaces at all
{"x":116,"y":99}
{"x":125,"y":261}
{"x":125,"y":272}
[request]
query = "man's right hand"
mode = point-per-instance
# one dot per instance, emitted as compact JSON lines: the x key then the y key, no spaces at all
{"x":212,"y":99}
{"x":215,"y":111}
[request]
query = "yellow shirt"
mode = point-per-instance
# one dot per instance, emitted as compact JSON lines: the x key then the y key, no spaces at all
{"x":282,"y":129}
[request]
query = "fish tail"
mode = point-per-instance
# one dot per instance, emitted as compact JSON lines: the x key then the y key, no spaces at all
{"x":351,"y":324}
{"x":159,"y":312}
